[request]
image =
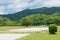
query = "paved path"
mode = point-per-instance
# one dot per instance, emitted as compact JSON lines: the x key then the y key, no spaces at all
{"x":16,"y":36}
{"x":11,"y":36}
{"x":28,"y":30}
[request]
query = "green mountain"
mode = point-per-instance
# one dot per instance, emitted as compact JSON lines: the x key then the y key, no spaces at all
{"x":21,"y":14}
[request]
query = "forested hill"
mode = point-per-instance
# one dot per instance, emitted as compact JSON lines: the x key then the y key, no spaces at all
{"x":21,"y":14}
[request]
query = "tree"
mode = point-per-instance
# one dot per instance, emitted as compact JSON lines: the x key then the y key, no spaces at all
{"x":5,"y":21}
{"x":37,"y":19}
{"x":26,"y":21}
{"x":52,"y":28}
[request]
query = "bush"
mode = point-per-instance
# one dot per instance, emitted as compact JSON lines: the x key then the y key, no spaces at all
{"x":52,"y":28}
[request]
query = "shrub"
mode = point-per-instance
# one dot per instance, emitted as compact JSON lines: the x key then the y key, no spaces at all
{"x":52,"y":28}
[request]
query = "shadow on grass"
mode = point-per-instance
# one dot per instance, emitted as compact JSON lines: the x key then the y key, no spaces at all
{"x":52,"y":33}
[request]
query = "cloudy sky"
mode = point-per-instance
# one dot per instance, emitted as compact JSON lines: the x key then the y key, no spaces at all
{"x":11,"y":6}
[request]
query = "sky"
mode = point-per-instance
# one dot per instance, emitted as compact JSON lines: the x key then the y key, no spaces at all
{"x":12,"y":6}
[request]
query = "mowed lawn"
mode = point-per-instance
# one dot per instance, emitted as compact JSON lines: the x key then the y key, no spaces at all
{"x":43,"y":35}
{"x":4,"y":28}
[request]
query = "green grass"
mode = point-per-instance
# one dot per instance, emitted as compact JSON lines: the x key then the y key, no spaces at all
{"x":44,"y":35}
{"x":4,"y":28}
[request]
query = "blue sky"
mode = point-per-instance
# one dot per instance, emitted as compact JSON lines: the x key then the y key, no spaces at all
{"x":11,"y":6}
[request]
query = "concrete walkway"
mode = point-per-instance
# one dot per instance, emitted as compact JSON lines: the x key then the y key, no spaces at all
{"x":16,"y":36}
{"x":11,"y":36}
{"x":28,"y":30}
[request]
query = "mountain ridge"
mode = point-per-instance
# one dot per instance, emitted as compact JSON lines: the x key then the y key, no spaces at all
{"x":21,"y":14}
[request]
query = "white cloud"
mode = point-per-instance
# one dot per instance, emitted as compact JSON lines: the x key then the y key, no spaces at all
{"x":35,"y":2}
{"x":2,"y":8}
{"x":51,"y":3}
{"x":17,"y":5}
{"x":5,"y":1}
{"x":1,"y":13}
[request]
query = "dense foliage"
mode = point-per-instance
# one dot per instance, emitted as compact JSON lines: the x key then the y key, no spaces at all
{"x":41,"y":19}
{"x":35,"y":19}
{"x":52,"y":28}
{"x":28,"y":17}
{"x":6,"y":22}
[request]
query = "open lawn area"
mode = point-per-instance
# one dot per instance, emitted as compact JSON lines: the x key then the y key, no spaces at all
{"x":4,"y":28}
{"x":44,"y":35}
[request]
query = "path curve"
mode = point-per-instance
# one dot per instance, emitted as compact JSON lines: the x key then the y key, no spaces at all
{"x":28,"y":30}
{"x":16,"y":36}
{"x":11,"y":36}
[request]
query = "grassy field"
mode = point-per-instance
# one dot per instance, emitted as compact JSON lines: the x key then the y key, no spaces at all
{"x":4,"y":28}
{"x":44,"y":35}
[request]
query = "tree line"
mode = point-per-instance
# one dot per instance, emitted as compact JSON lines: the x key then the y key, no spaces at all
{"x":41,"y":19}
{"x":32,"y":20}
